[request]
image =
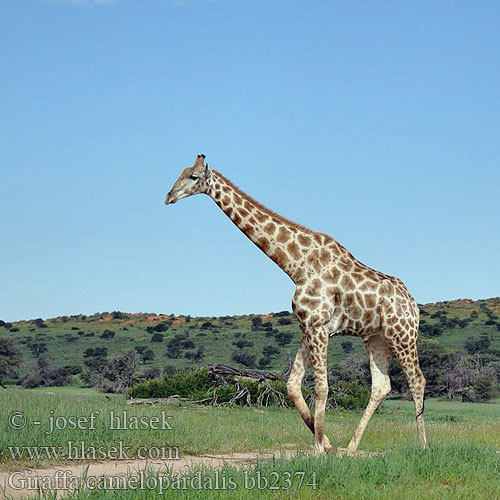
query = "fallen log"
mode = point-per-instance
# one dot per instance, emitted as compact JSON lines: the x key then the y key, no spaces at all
{"x":245,"y":372}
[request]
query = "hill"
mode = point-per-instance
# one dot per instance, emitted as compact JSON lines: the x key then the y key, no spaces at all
{"x":266,"y":341}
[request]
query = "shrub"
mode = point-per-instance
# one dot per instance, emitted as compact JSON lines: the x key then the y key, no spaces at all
{"x":107,"y":334}
{"x":244,"y":357}
{"x":10,"y":357}
{"x":284,"y":321}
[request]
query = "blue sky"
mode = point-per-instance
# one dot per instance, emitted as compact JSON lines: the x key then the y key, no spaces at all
{"x":376,"y":122}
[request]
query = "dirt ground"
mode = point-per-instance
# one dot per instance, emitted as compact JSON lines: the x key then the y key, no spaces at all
{"x":11,"y":482}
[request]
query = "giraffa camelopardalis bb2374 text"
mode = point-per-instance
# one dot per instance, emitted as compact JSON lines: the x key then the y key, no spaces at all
{"x":335,"y":295}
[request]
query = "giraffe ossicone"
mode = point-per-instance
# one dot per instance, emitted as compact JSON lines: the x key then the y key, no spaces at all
{"x":335,"y":295}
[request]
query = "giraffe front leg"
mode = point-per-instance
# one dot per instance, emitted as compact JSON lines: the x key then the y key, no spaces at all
{"x":318,"y":352}
{"x":294,"y":388}
{"x":294,"y":384}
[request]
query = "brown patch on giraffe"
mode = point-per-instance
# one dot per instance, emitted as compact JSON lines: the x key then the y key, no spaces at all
{"x":226,"y":189}
{"x":270,"y":228}
{"x":368,"y":286}
{"x":333,"y":293}
{"x":318,"y":239}
{"x":243,"y":212}
{"x":370,"y":300}
{"x":248,"y":206}
{"x":301,"y":314}
{"x":331,"y":276}
{"x":360,"y":299}
{"x":237,"y":199}
{"x":294,"y":250}
{"x":283,"y":235}
{"x":304,"y":240}
{"x":368,"y":317}
{"x":228,"y":211}
{"x":358,"y":277}
{"x":279,"y":257}
{"x":252,"y":221}
{"x":314,"y":288}
{"x":217,"y":196}
{"x":346,"y":282}
{"x":248,"y":229}
{"x":355,"y":311}
{"x":348,"y":300}
{"x":264,"y":244}
{"x":324,"y":257}
{"x":387,"y":288}
{"x":345,"y":265}
{"x":260,"y":216}
{"x":236,"y":218}
{"x":226,"y":200}
{"x":311,"y":304}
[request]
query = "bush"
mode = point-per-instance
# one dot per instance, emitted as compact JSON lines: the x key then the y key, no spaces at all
{"x":244,"y":357}
{"x":107,"y":334}
{"x":199,"y":384}
{"x":284,"y":321}
{"x":485,"y":387}
{"x":44,"y":374}
{"x":193,"y":384}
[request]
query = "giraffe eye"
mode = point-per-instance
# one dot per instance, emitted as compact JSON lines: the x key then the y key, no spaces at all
{"x":194,"y":177}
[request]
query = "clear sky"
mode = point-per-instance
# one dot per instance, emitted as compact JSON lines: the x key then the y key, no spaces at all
{"x":376,"y":122}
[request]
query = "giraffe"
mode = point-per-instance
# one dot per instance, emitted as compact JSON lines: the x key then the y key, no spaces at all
{"x":335,"y":295}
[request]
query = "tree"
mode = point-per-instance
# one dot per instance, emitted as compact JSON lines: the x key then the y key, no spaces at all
{"x":43,"y":373}
{"x":10,"y":358}
{"x":157,"y":337}
{"x":97,"y":351}
{"x":256,"y":322}
{"x":150,"y":373}
{"x":244,"y":357}
{"x":346,"y":346}
{"x":173,"y":347}
{"x":37,"y":348}
{"x":270,"y":350}
{"x":147,"y":355}
{"x":241,"y":344}
{"x":107,"y":334}
{"x":115,"y":374}
{"x":197,"y":355}
{"x":284,"y":321}
{"x":481,"y":345}
{"x":485,"y":387}
{"x":283,"y":338}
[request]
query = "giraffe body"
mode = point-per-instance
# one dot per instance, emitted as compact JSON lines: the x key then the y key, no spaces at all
{"x":335,"y":295}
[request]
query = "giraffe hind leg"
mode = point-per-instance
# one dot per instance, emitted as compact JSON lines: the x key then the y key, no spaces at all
{"x":380,"y":356}
{"x":408,"y":360}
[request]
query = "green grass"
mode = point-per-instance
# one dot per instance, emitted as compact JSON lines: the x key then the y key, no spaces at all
{"x":441,"y":472}
{"x":461,"y":462}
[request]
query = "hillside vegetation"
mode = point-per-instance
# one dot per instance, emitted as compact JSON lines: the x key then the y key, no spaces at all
{"x":168,"y":342}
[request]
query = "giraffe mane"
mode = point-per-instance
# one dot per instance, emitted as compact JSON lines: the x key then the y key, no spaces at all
{"x":268,"y":211}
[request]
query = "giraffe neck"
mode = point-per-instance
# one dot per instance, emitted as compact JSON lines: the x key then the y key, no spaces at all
{"x":285,"y":242}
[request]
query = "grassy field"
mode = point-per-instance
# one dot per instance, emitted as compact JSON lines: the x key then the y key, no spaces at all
{"x":67,"y":338}
{"x":461,"y":462}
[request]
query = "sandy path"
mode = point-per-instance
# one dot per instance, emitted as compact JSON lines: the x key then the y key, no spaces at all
{"x":13,"y":483}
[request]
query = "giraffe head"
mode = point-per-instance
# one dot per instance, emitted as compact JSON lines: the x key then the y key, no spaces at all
{"x":193,"y":180}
